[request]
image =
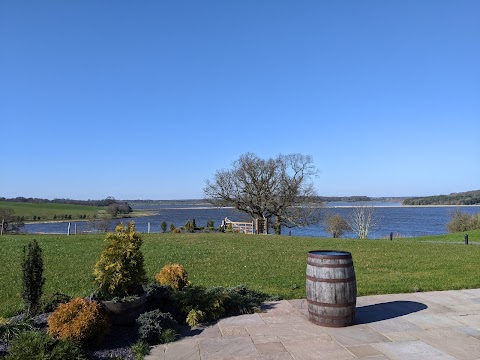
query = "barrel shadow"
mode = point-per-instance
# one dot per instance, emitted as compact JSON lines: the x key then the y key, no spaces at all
{"x":387,"y":310}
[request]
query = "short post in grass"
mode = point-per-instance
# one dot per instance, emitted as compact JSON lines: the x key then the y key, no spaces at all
{"x":391,"y":236}
{"x":466,"y":239}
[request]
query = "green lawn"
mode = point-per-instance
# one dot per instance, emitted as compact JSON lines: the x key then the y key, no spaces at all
{"x":273,"y":264}
{"x":473,"y":236}
{"x":49,"y":211}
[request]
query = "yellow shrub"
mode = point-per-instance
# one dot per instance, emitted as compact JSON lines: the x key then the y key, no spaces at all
{"x":120,"y":270}
{"x":79,"y":320}
{"x":173,"y":275}
{"x":177,"y":231}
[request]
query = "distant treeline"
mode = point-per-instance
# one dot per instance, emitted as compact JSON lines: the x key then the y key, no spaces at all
{"x":464,"y":198}
{"x":105,"y":202}
{"x":203,"y":202}
{"x":343,"y":198}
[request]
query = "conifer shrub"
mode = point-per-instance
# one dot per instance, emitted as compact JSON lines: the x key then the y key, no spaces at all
{"x":120,"y":271}
{"x":40,"y":346}
{"x":188,"y":226}
{"x":163,"y":226}
{"x":79,"y":320}
{"x":172,"y":227}
{"x":32,"y":277}
{"x":173,"y":275}
{"x":152,"y":324}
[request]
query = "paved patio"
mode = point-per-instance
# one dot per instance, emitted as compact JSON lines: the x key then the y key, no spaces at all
{"x":432,"y":325}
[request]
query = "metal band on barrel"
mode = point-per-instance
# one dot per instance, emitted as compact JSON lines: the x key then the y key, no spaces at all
{"x":344,"y":280}
{"x":348,"y":304}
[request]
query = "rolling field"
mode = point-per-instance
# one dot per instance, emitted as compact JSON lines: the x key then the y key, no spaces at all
{"x":272,"y":264}
{"x":49,"y":211}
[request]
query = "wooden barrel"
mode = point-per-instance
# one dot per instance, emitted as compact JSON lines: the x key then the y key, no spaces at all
{"x":331,"y":288}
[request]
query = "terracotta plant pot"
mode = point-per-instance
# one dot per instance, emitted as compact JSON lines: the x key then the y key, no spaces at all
{"x":125,"y":312}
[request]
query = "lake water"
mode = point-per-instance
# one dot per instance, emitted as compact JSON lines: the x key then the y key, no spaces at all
{"x":403,"y":221}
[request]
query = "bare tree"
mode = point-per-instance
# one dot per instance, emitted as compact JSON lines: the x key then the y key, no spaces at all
{"x":362,"y":220}
{"x":9,"y":222}
{"x":277,"y":189}
{"x":336,"y":225}
{"x":99,"y":222}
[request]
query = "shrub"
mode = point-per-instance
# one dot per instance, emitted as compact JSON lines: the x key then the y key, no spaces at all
{"x":198,"y":304}
{"x":163,"y":226}
{"x":177,"y":231}
{"x":210,"y":224}
{"x":173,"y":275}
{"x":50,"y":301}
{"x":337,"y":225}
{"x":195,"y":317}
{"x":32,"y":277}
{"x":188,"y":226}
{"x":120,"y":271}
{"x":35,"y":345}
{"x":139,"y":350}
{"x":79,"y":320}
{"x":152,"y":324}
{"x":172,"y":227}
{"x":168,"y":336}
{"x":160,"y":296}
{"x":9,"y":330}
{"x":460,"y":221}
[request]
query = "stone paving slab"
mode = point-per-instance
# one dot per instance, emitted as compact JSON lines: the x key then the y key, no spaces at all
{"x":440,"y":325}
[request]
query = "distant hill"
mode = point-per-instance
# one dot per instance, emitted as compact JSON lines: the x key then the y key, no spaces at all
{"x":462,"y":198}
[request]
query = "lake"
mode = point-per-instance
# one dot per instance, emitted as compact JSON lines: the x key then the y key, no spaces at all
{"x":403,"y":221}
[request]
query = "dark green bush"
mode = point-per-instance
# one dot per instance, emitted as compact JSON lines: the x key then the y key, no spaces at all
{"x":35,"y":345}
{"x":198,"y":304}
{"x":50,"y":301}
{"x":152,"y":324}
{"x":163,"y":226}
{"x":160,"y":297}
{"x":32,"y":277}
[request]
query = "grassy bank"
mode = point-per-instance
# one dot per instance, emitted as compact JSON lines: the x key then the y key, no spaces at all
{"x":48,"y":211}
{"x":473,"y":237}
{"x":273,"y":264}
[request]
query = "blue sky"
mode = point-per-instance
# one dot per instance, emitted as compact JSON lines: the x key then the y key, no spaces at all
{"x":148,"y":99}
